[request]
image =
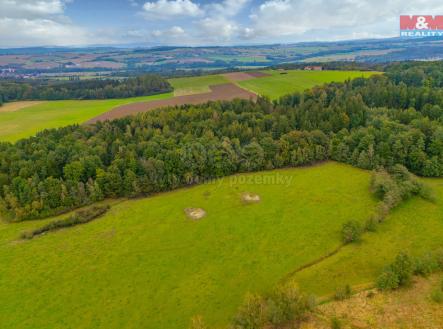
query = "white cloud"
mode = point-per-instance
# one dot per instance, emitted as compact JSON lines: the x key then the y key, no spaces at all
{"x":307,"y":19}
{"x":171,"y":33}
{"x":217,"y":29}
{"x":38,"y":22}
{"x":16,"y":32}
{"x":229,"y":7}
{"x":162,"y":9}
{"x":31,"y":8}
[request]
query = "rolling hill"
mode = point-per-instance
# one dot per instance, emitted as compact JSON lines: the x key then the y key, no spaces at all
{"x":26,"y":122}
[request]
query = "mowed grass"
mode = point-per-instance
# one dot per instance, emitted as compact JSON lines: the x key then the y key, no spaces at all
{"x":415,"y":227}
{"x":26,"y":122}
{"x":281,"y":83}
{"x":145,"y":265}
{"x":196,"y":85}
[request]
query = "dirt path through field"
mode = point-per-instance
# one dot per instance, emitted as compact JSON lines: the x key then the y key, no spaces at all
{"x":224,"y":92}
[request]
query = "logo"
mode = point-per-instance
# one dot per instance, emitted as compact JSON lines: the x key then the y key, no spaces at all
{"x":421,"y":26}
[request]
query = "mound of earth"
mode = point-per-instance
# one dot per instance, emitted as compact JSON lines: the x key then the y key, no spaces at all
{"x":195,"y":213}
{"x":223,"y":92}
{"x":250,"y":197}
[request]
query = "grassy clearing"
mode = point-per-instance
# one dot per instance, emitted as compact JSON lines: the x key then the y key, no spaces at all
{"x":30,"y":120}
{"x":278,"y":84}
{"x":146,"y":265}
{"x":416,"y":227}
{"x":196,"y":85}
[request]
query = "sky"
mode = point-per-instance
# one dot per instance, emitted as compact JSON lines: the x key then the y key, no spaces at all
{"x":28,"y":23}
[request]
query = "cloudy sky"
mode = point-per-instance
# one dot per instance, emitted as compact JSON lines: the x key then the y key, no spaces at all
{"x":198,"y":22}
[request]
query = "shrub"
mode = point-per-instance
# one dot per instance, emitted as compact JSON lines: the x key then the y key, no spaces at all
{"x":404,"y":268}
{"x":251,"y":314}
{"x":388,"y":280}
{"x":394,"y":186}
{"x":398,"y":274}
{"x":80,"y":217}
{"x":371,"y":224}
{"x":351,"y":231}
{"x":343,"y":293}
{"x":286,"y":305}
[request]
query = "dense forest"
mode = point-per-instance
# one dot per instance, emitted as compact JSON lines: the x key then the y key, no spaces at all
{"x":86,"y":89}
{"x":396,"y":118}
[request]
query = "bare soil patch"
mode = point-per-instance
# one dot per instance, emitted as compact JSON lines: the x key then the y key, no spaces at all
{"x":15,"y":106}
{"x":223,"y":92}
{"x":248,"y":197}
{"x":195,"y":213}
{"x":242,"y":76}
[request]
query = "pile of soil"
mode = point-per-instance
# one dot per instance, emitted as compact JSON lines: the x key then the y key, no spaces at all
{"x":250,"y":197}
{"x":195,"y":213}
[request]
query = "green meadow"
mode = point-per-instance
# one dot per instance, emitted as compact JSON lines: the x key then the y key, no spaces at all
{"x":281,"y":83}
{"x":150,"y":266}
{"x":196,"y":85}
{"x":54,"y":114}
{"x":415,"y":227}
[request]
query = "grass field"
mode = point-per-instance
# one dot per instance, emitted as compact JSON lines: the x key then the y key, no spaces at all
{"x":196,"y":85}
{"x":149,"y":266}
{"x":26,"y":122}
{"x":145,"y":265}
{"x":415,"y":227}
{"x":279,"y":84}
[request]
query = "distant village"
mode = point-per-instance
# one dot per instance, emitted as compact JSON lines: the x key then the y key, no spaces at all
{"x":12,"y":73}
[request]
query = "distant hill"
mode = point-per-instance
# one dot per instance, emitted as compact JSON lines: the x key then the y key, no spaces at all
{"x":138,"y":58}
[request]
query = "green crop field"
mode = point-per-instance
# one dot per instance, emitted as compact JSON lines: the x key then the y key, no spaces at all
{"x":282,"y":83}
{"x":196,"y":85}
{"x":151,"y":267}
{"x":54,"y":114}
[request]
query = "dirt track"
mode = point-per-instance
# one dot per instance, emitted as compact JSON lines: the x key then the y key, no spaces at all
{"x":224,"y":92}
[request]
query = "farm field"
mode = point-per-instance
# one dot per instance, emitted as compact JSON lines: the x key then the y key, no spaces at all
{"x":151,"y":267}
{"x":196,"y":85}
{"x":282,"y":83}
{"x":26,"y":122}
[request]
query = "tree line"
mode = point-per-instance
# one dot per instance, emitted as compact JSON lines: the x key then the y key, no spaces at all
{"x":365,"y":122}
{"x":84,"y":89}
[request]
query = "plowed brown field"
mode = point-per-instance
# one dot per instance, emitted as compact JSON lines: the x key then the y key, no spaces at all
{"x":224,"y":92}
